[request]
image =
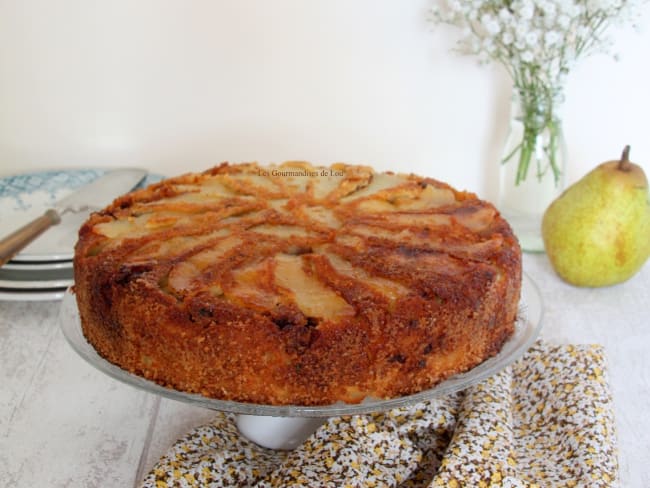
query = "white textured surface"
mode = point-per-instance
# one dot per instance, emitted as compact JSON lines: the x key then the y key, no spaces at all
{"x":63,"y":424}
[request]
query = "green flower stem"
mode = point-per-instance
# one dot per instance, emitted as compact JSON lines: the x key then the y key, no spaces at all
{"x":526,"y":153}
{"x":537,"y":116}
{"x":553,"y":149}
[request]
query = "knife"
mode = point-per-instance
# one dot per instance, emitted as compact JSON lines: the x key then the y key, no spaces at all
{"x":95,"y":195}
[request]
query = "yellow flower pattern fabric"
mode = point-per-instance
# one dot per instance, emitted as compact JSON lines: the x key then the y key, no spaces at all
{"x":546,"y":421}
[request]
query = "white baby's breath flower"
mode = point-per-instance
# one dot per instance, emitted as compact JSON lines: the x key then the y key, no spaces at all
{"x":490,"y":24}
{"x":577,"y":9}
{"x":549,"y":9}
{"x":521,"y":30}
{"x":564,"y":21}
{"x":527,"y":12}
{"x":532,"y":38}
{"x":527,"y":57}
{"x":551,"y":38}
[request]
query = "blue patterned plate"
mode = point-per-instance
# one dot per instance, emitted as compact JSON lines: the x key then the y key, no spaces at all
{"x":24,"y":197}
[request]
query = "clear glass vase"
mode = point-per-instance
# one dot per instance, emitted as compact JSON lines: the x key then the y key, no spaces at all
{"x":532,"y":166}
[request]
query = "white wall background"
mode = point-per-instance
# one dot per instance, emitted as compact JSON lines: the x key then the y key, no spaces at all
{"x":178,"y":86}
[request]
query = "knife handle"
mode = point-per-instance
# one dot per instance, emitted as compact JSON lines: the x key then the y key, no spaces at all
{"x":14,"y":242}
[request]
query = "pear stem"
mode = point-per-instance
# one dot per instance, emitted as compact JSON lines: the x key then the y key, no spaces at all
{"x":624,"y":163}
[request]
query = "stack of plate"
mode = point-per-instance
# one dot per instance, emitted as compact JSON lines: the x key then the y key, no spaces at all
{"x":42,"y":270}
{"x":34,"y":280}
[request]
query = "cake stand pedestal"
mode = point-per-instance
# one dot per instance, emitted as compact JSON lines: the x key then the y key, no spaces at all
{"x":283,"y":433}
{"x":288,"y":426}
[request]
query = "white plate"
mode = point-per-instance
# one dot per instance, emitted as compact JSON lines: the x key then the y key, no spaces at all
{"x":31,"y":295}
{"x":26,"y":196}
{"x":39,"y":265}
{"x":36,"y":279}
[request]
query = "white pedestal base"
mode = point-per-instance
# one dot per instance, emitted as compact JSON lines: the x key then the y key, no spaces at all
{"x":283,"y":433}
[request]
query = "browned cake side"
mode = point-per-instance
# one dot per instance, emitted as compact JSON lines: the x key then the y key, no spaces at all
{"x":297,"y":284}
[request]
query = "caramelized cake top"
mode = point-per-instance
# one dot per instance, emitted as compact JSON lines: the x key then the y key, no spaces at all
{"x":258,"y":236}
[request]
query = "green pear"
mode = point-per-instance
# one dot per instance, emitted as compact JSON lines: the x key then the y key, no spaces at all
{"x":597,"y":233}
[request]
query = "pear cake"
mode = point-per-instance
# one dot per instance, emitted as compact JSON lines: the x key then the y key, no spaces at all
{"x":294,"y":284}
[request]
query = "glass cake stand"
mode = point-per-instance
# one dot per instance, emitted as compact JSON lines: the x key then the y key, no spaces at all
{"x":287,"y":426}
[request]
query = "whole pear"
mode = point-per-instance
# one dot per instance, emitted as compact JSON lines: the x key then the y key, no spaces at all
{"x":597,"y":233}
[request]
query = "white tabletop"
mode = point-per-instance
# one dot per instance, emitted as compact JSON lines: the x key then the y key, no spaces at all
{"x":64,"y":424}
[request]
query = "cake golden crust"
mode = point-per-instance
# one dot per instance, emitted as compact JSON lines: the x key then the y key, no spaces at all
{"x":296,"y":284}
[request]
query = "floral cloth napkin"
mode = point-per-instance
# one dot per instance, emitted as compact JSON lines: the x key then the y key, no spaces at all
{"x":546,"y":421}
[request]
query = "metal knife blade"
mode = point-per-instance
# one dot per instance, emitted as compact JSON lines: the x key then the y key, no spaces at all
{"x":95,"y":195}
{"x":101,"y":191}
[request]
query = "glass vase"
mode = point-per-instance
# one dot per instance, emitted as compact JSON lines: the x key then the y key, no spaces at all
{"x":532,"y":166}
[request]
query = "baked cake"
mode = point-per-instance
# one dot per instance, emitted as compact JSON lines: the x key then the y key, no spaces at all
{"x":296,"y":284}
